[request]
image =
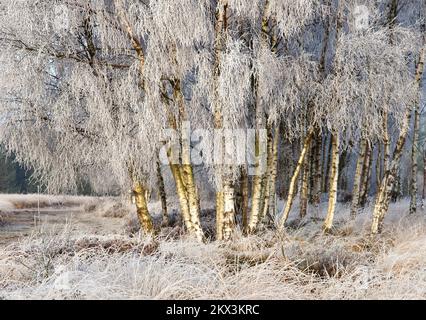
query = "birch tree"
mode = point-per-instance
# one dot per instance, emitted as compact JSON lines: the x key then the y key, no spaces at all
{"x":389,"y":178}
{"x":76,"y":106}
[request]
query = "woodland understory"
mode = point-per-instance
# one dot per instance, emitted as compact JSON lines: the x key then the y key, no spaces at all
{"x":90,"y":92}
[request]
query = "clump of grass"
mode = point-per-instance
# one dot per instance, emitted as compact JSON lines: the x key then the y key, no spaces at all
{"x":109,"y":207}
{"x":3,"y":219}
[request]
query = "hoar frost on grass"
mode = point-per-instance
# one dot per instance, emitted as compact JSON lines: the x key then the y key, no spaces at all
{"x":302,"y":264}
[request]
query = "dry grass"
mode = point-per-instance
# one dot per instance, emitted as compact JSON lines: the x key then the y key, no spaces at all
{"x":31,"y":201}
{"x":304,"y":264}
{"x":109,"y":208}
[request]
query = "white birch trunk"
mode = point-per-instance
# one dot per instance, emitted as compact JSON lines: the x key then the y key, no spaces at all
{"x":334,"y":178}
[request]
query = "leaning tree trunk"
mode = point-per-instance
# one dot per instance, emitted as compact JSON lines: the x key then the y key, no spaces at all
{"x":181,"y":190}
{"x":138,"y":189}
{"x":383,"y":198}
{"x":182,"y":197}
{"x":386,"y":144}
{"x":185,"y":185}
{"x":144,"y":217}
{"x":414,"y":167}
{"x":357,"y":179}
{"x":293,"y":183}
{"x":334,"y":178}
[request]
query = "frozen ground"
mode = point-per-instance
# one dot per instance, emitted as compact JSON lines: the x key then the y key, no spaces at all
{"x":86,"y":248}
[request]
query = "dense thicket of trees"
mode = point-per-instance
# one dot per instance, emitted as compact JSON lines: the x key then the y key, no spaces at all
{"x":319,"y":88}
{"x":14,"y":178}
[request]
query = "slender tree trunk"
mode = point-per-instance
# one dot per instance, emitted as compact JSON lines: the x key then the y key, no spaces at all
{"x":366,"y":176}
{"x":357,"y":180}
{"x":244,"y":183}
{"x":183,"y":200}
{"x":368,"y":183}
{"x":386,"y":144}
{"x":260,"y":179}
{"x":305,"y":187}
{"x":183,"y":196}
{"x":293,"y":183}
{"x":268,"y":175}
{"x":329,"y":147}
{"x":343,"y":183}
{"x":193,"y":200}
{"x":311,"y":177}
{"x":414,"y":167}
{"x":383,"y":198}
{"x":142,"y":208}
{"x":132,"y":37}
{"x":229,"y":211}
{"x":162,"y":195}
{"x":264,"y":196}
{"x":138,"y":189}
{"x":396,"y":190}
{"x":424,"y":179}
{"x":256,"y":203}
{"x":317,"y":179}
{"x":225,"y":196}
{"x":295,"y":152}
{"x":335,"y":145}
{"x":258,"y":185}
{"x":317,"y":185}
{"x":220,"y":203}
{"x":186,"y":188}
{"x":273,"y":175}
{"x":316,"y":188}
{"x":378,"y":166}
{"x":334,"y":178}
